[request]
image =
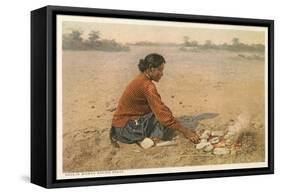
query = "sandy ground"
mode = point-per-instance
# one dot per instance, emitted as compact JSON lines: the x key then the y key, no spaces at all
{"x":222,"y":82}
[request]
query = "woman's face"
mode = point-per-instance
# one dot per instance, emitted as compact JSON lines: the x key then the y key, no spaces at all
{"x":156,"y":72}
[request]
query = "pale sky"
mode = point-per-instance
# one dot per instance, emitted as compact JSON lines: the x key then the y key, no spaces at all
{"x":130,"y":31}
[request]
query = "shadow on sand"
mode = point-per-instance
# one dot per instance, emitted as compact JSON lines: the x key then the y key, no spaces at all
{"x":192,"y":122}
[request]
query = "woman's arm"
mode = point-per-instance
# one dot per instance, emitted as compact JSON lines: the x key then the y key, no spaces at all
{"x":164,"y":114}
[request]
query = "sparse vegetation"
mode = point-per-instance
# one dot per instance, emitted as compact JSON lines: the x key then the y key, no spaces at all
{"x":74,"y":41}
{"x":236,"y":45}
{"x":193,"y":45}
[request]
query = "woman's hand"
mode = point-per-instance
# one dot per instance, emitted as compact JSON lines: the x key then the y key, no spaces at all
{"x":191,"y":136}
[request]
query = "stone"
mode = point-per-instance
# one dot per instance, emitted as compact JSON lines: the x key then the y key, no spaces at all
{"x":228,"y":142}
{"x":146,"y":143}
{"x":202,"y":145}
{"x":217,"y":133}
{"x":220,"y":144}
{"x":203,"y":140}
{"x":205,"y":135}
{"x":215,"y":140}
{"x":228,"y":136}
{"x":208,"y":148}
{"x":221,"y":151}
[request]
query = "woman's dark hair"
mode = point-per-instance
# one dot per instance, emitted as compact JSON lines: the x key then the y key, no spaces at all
{"x":151,"y":60}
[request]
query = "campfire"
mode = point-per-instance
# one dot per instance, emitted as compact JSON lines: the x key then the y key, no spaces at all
{"x":222,"y":142}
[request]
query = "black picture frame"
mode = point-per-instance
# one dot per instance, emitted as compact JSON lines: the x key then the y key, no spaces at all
{"x":43,"y":95}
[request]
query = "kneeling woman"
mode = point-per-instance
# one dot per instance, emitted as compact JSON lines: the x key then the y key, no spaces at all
{"x":141,"y":113}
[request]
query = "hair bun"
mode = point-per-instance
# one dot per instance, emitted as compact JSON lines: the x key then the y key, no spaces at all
{"x":141,"y":61}
{"x":151,"y":60}
{"x":142,"y":65}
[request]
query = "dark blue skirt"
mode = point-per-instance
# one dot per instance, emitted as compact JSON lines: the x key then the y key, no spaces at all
{"x":137,"y":130}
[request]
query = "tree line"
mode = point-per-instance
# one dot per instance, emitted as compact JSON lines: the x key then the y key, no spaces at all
{"x":74,"y":41}
{"x":235,"y":45}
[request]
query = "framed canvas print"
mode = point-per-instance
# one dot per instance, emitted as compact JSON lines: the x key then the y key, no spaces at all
{"x":125,"y":96}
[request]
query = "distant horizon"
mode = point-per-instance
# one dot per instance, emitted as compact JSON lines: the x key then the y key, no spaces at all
{"x":85,"y":37}
{"x":132,"y":31}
